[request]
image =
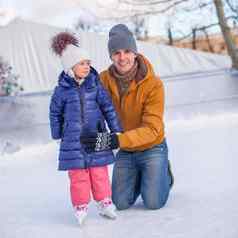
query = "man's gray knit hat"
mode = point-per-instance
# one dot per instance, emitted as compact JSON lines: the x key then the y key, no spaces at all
{"x":120,"y":37}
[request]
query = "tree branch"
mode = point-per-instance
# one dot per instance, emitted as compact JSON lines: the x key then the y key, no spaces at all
{"x":231,"y":7}
{"x":145,"y":2}
{"x":203,"y":28}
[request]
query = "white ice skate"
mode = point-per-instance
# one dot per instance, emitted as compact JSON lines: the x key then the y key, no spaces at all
{"x":107,"y":209}
{"x":81,"y":212}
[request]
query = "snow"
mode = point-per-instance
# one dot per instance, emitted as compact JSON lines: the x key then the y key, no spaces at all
{"x":203,"y":202}
{"x":7,"y":15}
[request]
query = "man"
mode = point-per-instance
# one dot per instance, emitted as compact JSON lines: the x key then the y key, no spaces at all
{"x":142,"y":165}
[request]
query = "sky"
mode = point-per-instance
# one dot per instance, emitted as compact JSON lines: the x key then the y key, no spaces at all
{"x":67,"y":12}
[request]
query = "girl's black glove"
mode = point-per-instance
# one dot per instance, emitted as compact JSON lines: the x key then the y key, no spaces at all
{"x":99,"y":141}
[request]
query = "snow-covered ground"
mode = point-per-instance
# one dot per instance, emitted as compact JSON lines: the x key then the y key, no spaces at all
{"x":34,"y":196}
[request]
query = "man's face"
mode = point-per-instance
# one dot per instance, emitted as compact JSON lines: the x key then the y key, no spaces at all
{"x":123,"y":60}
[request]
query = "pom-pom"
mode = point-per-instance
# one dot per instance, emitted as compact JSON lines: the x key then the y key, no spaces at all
{"x":61,"y":40}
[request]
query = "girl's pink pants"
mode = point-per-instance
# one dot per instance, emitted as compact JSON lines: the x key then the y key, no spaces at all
{"x":85,"y":181}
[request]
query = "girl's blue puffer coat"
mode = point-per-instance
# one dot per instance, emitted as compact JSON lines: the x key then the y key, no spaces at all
{"x":75,"y":109}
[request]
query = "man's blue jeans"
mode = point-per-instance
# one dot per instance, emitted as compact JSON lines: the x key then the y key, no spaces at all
{"x":144,"y":173}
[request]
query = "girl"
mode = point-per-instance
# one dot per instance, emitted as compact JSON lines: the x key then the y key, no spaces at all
{"x":80,"y":104}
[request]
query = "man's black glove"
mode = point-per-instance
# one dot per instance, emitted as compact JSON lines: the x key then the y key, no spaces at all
{"x":99,"y":141}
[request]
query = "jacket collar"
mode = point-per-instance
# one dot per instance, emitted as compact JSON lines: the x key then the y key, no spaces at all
{"x":67,"y":81}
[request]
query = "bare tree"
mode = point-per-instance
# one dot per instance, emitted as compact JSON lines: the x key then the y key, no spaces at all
{"x":163,"y":6}
{"x":134,"y":8}
{"x":170,"y":36}
{"x":210,"y":47}
{"x":231,"y":47}
{"x":140,"y":28}
{"x":194,"y":31}
{"x":80,"y":24}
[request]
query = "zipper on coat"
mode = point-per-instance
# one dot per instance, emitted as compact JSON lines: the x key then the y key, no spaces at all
{"x":81,"y":101}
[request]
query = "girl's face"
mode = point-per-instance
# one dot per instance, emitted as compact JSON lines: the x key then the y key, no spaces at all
{"x":123,"y":60}
{"x":81,"y":69}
